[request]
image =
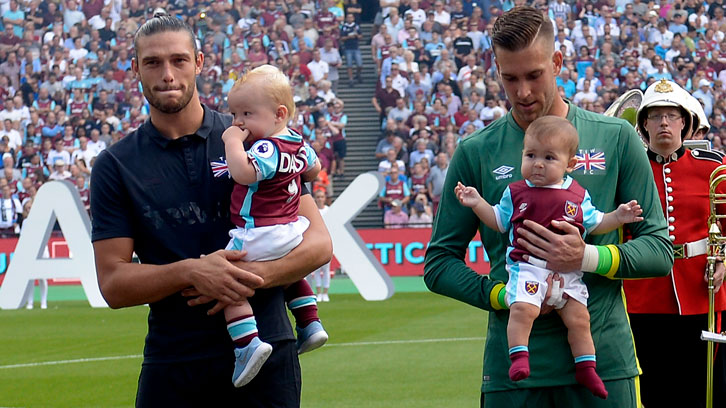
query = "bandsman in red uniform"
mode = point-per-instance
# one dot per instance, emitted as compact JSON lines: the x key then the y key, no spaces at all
{"x":667,"y":314}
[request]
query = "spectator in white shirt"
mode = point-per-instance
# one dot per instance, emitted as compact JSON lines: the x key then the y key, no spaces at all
{"x":441,"y":16}
{"x":318,"y":68}
{"x":14,"y":138}
{"x":96,"y":143}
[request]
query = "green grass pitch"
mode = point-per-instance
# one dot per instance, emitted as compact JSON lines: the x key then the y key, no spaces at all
{"x":413,"y":350}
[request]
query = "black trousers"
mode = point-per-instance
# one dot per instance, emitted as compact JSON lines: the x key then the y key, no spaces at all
{"x":208,"y":383}
{"x":673,"y":359}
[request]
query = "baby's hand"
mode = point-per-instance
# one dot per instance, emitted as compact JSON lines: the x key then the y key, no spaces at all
{"x":235,"y":133}
{"x":468,"y":196}
{"x":629,"y":212}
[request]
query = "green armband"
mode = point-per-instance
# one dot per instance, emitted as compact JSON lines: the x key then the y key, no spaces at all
{"x":497,"y":297}
{"x":608,"y":260}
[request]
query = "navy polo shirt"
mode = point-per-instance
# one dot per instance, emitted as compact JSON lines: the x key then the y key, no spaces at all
{"x":165,"y":195}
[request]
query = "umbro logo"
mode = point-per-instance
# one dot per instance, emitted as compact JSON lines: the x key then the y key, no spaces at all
{"x":503,"y":172}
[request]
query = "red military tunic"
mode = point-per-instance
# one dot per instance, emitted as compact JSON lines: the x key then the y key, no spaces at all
{"x":682,"y":182}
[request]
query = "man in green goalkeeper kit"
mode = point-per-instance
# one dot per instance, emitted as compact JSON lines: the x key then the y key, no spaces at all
{"x":613,"y":167}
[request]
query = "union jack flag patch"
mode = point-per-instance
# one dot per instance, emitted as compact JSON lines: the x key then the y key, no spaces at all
{"x":590,"y":162}
{"x":219,"y":168}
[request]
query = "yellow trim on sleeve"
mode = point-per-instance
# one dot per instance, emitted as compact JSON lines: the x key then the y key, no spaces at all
{"x":615,"y":261}
{"x":494,"y":297}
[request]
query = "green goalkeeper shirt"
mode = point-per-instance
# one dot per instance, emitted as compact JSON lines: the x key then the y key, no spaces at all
{"x":613,"y":167}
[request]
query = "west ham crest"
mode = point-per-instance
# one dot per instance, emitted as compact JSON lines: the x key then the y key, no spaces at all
{"x":531,"y":287}
{"x":570,"y":209}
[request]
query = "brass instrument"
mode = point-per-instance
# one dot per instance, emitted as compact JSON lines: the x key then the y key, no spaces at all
{"x":716,"y":241}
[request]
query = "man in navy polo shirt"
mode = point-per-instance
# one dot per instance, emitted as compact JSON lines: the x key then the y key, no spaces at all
{"x":163,"y":192}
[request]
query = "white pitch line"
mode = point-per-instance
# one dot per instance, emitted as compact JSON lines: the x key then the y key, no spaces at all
{"x":352,"y":344}
{"x":379,"y":343}
{"x":77,"y":360}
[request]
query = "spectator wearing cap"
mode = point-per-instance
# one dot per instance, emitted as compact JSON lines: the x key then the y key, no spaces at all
{"x":394,"y":217}
{"x":704,"y":94}
{"x":59,"y":171}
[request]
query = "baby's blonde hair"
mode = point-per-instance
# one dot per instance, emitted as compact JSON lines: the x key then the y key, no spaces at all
{"x":274,"y":84}
{"x":554,"y":129}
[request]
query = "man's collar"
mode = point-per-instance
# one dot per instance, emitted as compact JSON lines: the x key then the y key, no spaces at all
{"x":204,"y":131}
{"x":671,"y":157}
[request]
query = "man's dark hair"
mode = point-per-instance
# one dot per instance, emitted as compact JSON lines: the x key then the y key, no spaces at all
{"x":518,"y":28}
{"x":163,"y":24}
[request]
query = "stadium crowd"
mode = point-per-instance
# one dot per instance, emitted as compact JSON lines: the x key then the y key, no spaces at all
{"x":438,"y":81}
{"x":67,"y":90}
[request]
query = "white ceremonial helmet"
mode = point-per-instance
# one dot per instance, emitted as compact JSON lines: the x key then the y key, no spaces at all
{"x":665,"y":93}
{"x":697,"y":110}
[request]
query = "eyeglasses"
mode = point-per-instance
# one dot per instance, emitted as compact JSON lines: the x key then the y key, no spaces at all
{"x":671,"y":117}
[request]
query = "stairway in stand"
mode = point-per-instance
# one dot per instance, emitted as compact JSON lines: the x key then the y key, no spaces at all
{"x":362,"y":130}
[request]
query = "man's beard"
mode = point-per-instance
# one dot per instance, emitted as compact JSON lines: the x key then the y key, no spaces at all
{"x":169,"y":107}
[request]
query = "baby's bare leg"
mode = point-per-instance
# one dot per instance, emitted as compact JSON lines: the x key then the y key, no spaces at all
{"x":521,"y":317}
{"x":577,"y":320}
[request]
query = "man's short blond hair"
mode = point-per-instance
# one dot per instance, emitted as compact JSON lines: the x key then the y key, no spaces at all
{"x":274,"y":84}
{"x":554,"y":130}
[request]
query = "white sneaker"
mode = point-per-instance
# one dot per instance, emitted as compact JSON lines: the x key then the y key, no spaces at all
{"x":43,"y":306}
{"x":319,"y":297}
{"x":326,"y":298}
{"x":29,"y":306}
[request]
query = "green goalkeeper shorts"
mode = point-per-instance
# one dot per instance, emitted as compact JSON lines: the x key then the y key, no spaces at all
{"x":621,"y":394}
